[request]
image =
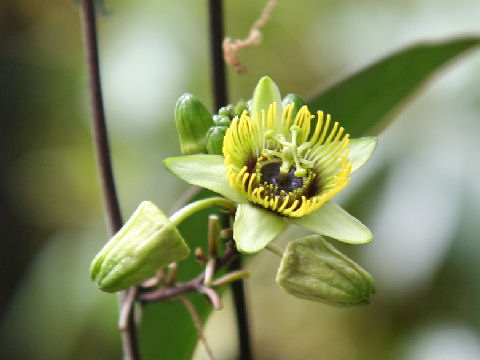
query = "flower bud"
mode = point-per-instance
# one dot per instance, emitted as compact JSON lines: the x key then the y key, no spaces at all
{"x":313,"y":269}
{"x":221,"y":120}
{"x":240,"y":107}
{"x":146,"y":243}
{"x":266,"y":93}
{"x":295,"y":99}
{"x":215,"y":137}
{"x":227,"y":111}
{"x":193,"y":120}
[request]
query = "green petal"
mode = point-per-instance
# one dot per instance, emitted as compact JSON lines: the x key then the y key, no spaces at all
{"x":254,"y":228}
{"x":266,"y":93}
{"x":361,"y":150}
{"x":332,"y":221}
{"x":207,"y":171}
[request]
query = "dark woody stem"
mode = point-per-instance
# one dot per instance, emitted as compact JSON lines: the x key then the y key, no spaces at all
{"x":220,"y":99}
{"x":219,"y":80}
{"x":112,"y":208}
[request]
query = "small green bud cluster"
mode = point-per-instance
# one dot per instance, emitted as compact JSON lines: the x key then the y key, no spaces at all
{"x":201,"y":132}
{"x":198,"y":130}
{"x":222,"y":121}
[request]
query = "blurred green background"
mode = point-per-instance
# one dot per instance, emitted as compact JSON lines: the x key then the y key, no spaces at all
{"x":420,"y":194}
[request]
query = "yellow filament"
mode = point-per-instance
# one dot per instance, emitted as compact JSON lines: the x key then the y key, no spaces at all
{"x":325,"y":154}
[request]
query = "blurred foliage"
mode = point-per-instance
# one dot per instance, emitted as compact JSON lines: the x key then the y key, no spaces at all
{"x":389,"y":82}
{"x":420,"y":195}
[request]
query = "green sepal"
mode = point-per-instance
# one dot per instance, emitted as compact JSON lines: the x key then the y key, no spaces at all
{"x":192,"y":120}
{"x":266,"y":93}
{"x":312,"y":269}
{"x":254,"y":228}
{"x":146,"y":243}
{"x":215,"y":137}
{"x":293,"y":99}
{"x":361,"y":150}
{"x":207,"y":171}
{"x":332,"y":221}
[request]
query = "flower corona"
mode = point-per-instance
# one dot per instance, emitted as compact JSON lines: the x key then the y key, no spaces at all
{"x":283,"y":166}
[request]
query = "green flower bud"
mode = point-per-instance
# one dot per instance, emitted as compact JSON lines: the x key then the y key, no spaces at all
{"x":226,"y":111}
{"x":240,"y":107}
{"x":266,"y":93}
{"x":221,"y":120}
{"x":215,"y":139}
{"x":295,"y":99}
{"x":147,"y":242}
{"x":313,"y":269}
{"x":193,"y":120}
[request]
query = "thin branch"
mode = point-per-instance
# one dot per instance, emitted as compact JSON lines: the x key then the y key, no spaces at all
{"x":231,"y":277}
{"x":241,"y":312}
{"x":219,"y":79}
{"x":127,"y":308}
{"x":275,"y":249}
{"x":102,"y":150}
{"x":186,"y":197}
{"x":194,"y":285}
{"x":212,"y":295}
{"x":198,"y":324}
{"x":220,"y":96}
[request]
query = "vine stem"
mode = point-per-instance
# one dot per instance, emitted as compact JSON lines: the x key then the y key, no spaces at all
{"x":277,"y":250}
{"x":219,"y":79}
{"x":220,"y":98}
{"x":199,"y":205}
{"x":102,"y":150}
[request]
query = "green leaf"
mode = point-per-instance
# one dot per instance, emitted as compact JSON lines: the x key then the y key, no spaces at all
{"x":332,"y":221}
{"x":361,"y":150}
{"x":364,"y":102}
{"x":254,"y":228}
{"x":207,"y":171}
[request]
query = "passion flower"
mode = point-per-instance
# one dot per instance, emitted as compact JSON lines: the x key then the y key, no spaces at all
{"x":281,"y":169}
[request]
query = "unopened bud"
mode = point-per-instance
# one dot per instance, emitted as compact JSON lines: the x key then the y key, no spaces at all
{"x":215,"y":137}
{"x":227,"y":111}
{"x":221,"y":120}
{"x":146,"y":243}
{"x":312,"y":269}
{"x":240,"y":107}
{"x":293,"y":99}
{"x":193,"y":120}
{"x":266,"y":93}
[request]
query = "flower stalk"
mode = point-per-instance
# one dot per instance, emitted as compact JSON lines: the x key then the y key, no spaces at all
{"x":192,"y":208}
